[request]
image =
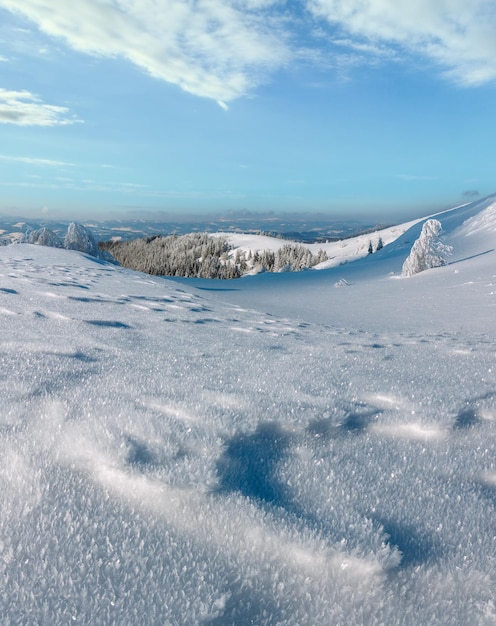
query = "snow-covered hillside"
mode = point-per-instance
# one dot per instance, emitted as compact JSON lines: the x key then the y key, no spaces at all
{"x":306,"y":449}
{"x":338,"y":252}
{"x":353,"y":248}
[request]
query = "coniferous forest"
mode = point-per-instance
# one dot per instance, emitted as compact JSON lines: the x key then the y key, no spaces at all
{"x":200,"y":255}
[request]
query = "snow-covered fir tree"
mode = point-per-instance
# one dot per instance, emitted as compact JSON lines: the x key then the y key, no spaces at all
{"x":45,"y":237}
{"x":427,"y":251}
{"x":80,"y":238}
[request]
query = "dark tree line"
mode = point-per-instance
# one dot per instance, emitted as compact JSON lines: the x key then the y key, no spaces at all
{"x":197,"y":255}
{"x":202,"y":255}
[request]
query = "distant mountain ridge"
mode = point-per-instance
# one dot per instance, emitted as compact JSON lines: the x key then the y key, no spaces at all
{"x":303,"y":229}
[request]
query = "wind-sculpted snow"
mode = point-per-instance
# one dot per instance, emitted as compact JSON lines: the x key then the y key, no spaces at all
{"x":170,"y":455}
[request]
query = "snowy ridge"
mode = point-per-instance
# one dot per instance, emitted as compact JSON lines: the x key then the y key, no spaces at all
{"x":482,"y":223}
{"x":266,"y":451}
{"x":356,"y":248}
{"x":338,"y":252}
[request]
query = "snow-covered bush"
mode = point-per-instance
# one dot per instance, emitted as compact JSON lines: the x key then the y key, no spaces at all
{"x":80,"y":238}
{"x":427,"y":251}
{"x":45,"y":237}
{"x":77,"y":238}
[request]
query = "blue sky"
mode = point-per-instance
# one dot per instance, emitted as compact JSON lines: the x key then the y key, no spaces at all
{"x":376,"y":108}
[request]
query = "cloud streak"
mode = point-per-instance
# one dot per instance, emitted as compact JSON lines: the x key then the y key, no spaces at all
{"x":35,"y":161}
{"x":26,"y":109}
{"x":456,"y":34}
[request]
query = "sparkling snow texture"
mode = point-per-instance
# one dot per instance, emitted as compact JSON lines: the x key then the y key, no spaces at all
{"x":273,"y":450}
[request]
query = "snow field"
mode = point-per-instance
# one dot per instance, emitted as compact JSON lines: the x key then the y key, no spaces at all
{"x":280,"y":453}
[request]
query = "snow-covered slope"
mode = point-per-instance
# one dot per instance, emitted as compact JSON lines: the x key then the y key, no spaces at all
{"x":338,"y":252}
{"x":356,"y":248}
{"x":302,"y":449}
{"x":380,"y":298}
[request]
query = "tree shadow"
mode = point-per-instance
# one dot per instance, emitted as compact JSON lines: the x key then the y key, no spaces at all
{"x":471,"y":257}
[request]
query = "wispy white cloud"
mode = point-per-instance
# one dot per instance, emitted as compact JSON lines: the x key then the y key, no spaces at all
{"x":218,"y":49}
{"x":366,"y":48}
{"x":86,"y":185}
{"x":34,"y":161}
{"x":26,"y":109}
{"x":456,"y":34}
{"x":223,"y":49}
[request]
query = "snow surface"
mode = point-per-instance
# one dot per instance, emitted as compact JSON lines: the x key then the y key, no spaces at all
{"x":305,"y":449}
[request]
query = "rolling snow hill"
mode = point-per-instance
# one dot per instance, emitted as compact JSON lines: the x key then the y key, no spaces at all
{"x":306,"y":449}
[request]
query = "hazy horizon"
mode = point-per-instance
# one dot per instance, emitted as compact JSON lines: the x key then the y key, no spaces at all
{"x":230,"y":215}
